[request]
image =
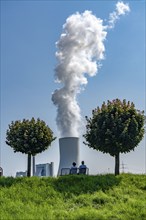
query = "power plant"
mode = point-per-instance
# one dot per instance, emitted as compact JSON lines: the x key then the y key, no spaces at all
{"x":69,"y":152}
{"x":41,"y":170}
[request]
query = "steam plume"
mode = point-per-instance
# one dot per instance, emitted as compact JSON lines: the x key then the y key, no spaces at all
{"x":121,"y":9}
{"x":80,"y":50}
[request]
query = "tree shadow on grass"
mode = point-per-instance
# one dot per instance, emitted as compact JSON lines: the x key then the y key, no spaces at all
{"x":68,"y":184}
{"x":29,"y":181}
{"x":8,"y":181}
{"x":80,"y":184}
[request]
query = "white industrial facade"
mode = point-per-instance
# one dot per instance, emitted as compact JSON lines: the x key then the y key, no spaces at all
{"x":46,"y":169}
{"x":21,"y":173}
{"x":69,"y":152}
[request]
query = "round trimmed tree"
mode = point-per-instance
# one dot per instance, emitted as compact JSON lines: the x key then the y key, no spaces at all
{"x":117,"y":127}
{"x":29,"y":137}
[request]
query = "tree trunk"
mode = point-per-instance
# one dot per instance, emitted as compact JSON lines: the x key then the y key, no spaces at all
{"x":117,"y":164}
{"x":33,"y":159}
{"x":29,"y":165}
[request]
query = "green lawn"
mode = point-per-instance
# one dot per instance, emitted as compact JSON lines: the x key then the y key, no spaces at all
{"x":74,"y":197}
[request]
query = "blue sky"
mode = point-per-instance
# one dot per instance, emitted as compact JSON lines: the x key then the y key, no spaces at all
{"x":29,"y":30}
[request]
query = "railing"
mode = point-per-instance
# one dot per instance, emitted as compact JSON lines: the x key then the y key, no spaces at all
{"x":67,"y":171}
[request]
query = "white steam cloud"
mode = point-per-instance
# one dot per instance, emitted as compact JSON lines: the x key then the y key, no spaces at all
{"x":80,"y":50}
{"x":121,"y":9}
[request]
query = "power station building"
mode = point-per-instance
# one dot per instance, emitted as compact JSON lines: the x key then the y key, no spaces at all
{"x":45,"y":169}
{"x":69,"y":152}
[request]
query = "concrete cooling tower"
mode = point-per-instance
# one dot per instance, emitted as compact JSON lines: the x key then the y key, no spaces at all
{"x":69,"y":152}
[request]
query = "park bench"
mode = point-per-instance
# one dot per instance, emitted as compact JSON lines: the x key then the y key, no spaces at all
{"x":67,"y":171}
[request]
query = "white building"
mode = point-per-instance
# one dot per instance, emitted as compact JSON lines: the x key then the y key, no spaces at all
{"x":69,"y":152}
{"x":46,"y":169}
{"x":21,"y":173}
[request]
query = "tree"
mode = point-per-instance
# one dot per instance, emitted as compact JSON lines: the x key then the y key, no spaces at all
{"x":117,"y":127}
{"x":30,"y":137}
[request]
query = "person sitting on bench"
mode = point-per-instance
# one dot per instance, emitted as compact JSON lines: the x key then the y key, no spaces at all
{"x":73,"y":169}
{"x":82,"y":168}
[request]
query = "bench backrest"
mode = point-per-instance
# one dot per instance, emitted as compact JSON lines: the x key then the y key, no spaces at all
{"x":82,"y":170}
{"x":73,"y":171}
{"x":67,"y":171}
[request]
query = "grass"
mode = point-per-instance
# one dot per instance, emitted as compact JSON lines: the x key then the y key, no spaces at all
{"x":74,"y":197}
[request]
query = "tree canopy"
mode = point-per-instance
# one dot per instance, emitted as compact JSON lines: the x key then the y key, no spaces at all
{"x":116,"y":127}
{"x":29,"y":136}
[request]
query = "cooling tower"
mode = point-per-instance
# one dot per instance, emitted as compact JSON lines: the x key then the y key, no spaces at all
{"x":69,"y":152}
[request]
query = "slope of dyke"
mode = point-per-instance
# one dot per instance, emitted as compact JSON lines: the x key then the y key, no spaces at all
{"x":74,"y":197}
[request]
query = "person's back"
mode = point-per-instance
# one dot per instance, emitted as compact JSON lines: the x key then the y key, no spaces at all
{"x":73,"y":169}
{"x":82,"y":168}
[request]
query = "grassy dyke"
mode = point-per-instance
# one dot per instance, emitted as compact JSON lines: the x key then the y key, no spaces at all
{"x":74,"y":197}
